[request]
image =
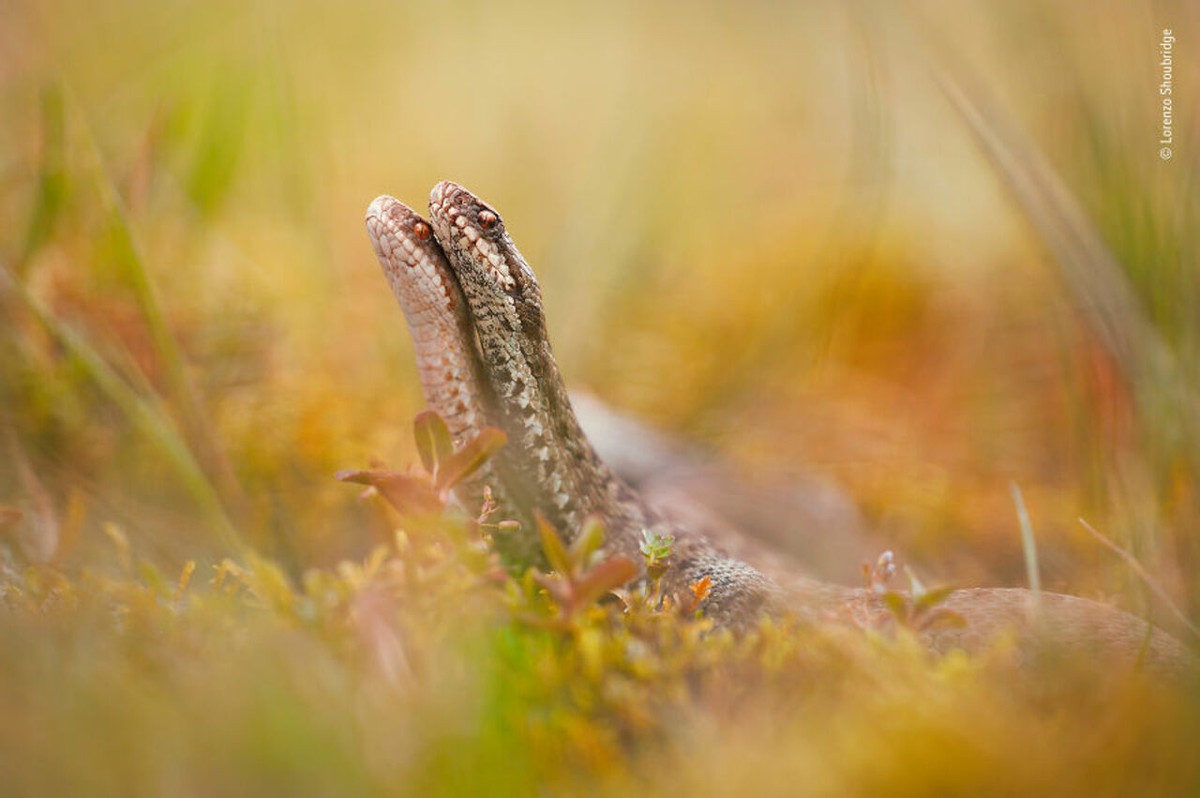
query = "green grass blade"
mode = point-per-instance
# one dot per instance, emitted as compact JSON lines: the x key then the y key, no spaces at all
{"x":131,"y":263}
{"x":146,"y":415}
{"x":52,"y":183}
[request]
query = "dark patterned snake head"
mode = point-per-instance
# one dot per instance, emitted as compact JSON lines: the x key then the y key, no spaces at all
{"x":483,"y":253}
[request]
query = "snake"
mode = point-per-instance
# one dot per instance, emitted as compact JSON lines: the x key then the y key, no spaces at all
{"x":475,"y":312}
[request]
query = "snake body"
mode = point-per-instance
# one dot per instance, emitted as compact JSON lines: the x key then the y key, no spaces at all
{"x":474,"y":309}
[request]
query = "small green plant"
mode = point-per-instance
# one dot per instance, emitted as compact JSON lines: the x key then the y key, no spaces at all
{"x":656,"y":549}
{"x":577,"y":580}
{"x":916,"y":609}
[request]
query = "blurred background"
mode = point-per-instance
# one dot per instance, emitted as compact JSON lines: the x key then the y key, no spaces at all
{"x":914,"y":252}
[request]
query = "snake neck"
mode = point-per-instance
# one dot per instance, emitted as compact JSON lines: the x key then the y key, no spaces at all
{"x":563,"y":477}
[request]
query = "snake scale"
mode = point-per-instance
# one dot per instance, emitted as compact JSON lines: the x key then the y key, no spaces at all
{"x":475,"y":313}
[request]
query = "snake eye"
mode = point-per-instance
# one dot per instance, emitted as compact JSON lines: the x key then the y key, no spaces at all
{"x":488,"y":220}
{"x":421,"y":231}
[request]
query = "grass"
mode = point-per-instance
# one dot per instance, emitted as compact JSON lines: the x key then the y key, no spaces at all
{"x":419,"y":671}
{"x":869,"y":242}
{"x":423,"y":671}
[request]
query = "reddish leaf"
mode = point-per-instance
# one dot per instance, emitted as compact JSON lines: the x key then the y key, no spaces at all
{"x":606,"y":576}
{"x":405,"y":492}
{"x":434,"y":444}
{"x":9,"y":515}
{"x":558,"y":587}
{"x":701,"y":589}
{"x":467,"y":460}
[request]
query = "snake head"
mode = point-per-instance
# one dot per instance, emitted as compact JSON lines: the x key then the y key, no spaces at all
{"x":474,"y":235}
{"x":391,"y":224}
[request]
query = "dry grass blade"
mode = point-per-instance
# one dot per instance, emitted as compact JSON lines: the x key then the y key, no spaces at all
{"x":1093,"y":275}
{"x":1142,"y":574}
{"x":1028,"y":545}
{"x":1091,"y":272}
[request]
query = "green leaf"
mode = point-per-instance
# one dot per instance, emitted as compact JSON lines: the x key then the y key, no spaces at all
{"x":434,"y":444}
{"x":945,"y":617}
{"x":467,"y":460}
{"x":932,"y":597}
{"x":589,"y":541}
{"x":552,"y":544}
{"x":654,"y":546}
{"x":897,"y":604}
